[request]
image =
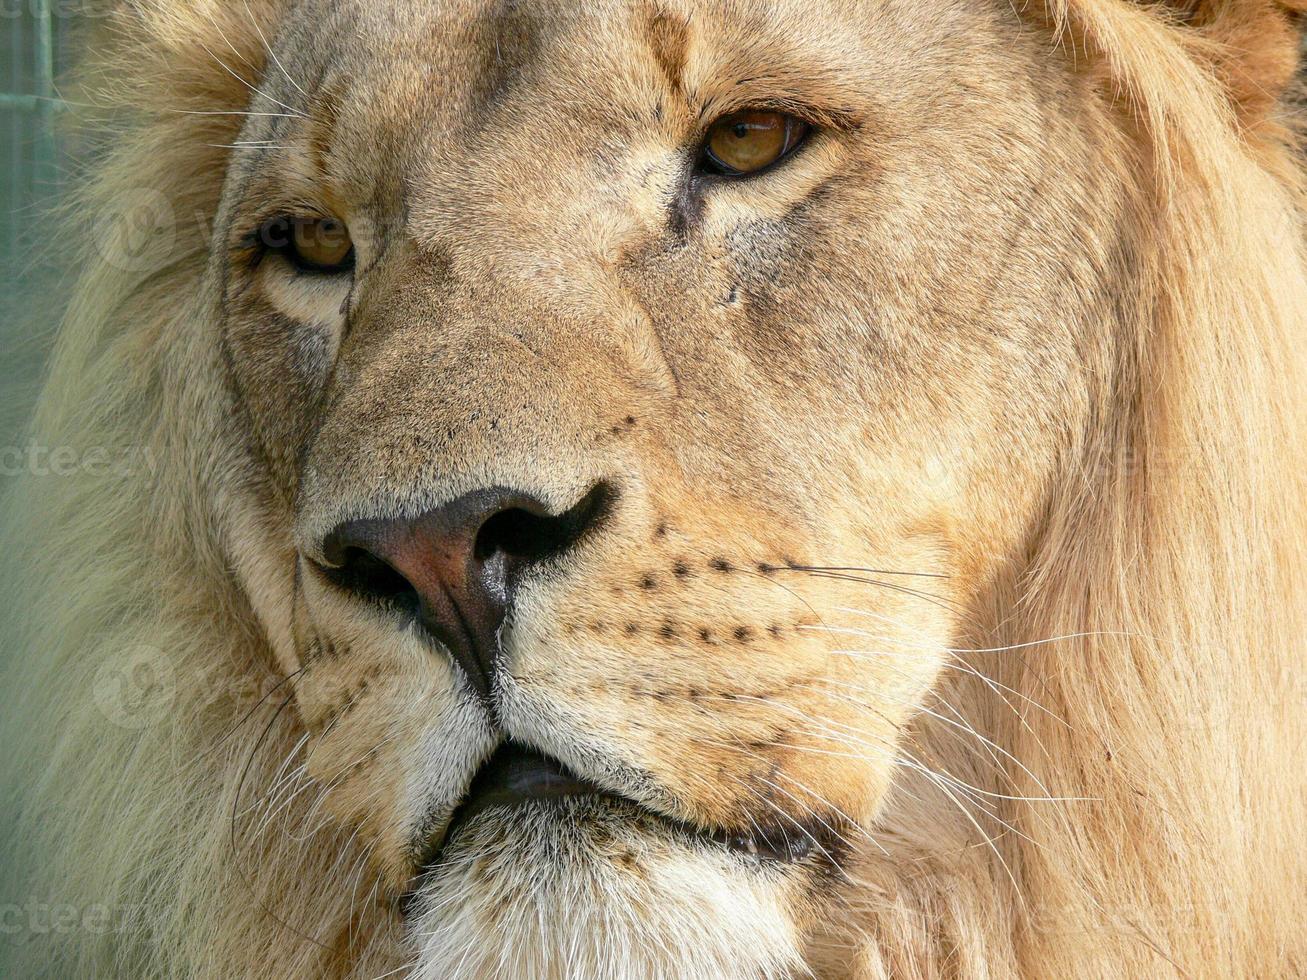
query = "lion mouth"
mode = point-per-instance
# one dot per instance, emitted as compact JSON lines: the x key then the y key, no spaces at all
{"x":513,"y":776}
{"x":516,"y":776}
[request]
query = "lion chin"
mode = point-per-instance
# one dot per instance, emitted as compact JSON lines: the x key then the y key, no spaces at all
{"x":539,"y":873}
{"x":582,"y":889}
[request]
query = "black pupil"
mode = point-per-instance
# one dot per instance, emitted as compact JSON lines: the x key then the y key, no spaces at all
{"x":741,"y":130}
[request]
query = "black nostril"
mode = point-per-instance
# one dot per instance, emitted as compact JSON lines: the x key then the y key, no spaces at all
{"x":529,"y":536}
{"x":455,"y":568}
{"x":363,"y":573}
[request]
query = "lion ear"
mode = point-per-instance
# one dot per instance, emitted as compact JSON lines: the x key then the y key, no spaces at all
{"x":1257,"y":46}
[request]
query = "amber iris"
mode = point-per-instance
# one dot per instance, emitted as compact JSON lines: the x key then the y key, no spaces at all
{"x":310,"y":243}
{"x":323,"y":244}
{"x":746,"y":142}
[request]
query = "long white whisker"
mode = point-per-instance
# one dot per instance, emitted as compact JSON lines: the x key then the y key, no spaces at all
{"x":1002,"y":649}
{"x":272,"y":54}
{"x":962,"y":724}
{"x":222,"y":64}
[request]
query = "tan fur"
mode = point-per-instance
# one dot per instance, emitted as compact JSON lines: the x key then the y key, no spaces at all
{"x":1011,"y":350}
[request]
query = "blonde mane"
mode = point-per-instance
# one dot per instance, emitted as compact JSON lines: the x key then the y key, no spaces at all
{"x":1140,"y":676}
{"x":1172,"y":566}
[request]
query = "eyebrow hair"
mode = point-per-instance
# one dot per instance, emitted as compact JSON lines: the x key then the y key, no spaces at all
{"x":321,"y":128}
{"x":814,"y":110}
{"x":669,"y":38}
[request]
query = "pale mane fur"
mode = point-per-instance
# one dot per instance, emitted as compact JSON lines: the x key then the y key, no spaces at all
{"x":1170,"y":718}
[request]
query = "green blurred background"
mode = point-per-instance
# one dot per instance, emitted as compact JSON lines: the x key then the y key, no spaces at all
{"x":37,"y":38}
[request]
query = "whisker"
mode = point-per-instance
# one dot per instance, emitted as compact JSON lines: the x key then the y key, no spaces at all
{"x":960,"y":724}
{"x":271,"y":808}
{"x":1001,"y":649}
{"x":837,"y":835}
{"x":225,"y":67}
{"x":932,"y":777}
{"x":232,"y":112}
{"x":786,"y":588}
{"x":739,"y":744}
{"x":854,"y":568}
{"x":933,"y":599}
{"x":250,"y":714}
{"x":855,"y":824}
{"x":236,"y":864}
{"x":889,"y":657}
{"x":336,"y":781}
{"x":226,"y":40}
{"x":798,"y":826}
{"x":272,"y":54}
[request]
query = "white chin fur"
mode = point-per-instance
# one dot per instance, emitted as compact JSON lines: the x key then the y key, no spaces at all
{"x":579,"y":890}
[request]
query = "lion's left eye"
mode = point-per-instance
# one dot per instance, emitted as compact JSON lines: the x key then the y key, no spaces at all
{"x":747,"y":142}
{"x":318,"y":245}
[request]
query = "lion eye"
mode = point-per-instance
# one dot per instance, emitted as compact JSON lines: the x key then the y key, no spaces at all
{"x":747,"y":142}
{"x":311,"y":244}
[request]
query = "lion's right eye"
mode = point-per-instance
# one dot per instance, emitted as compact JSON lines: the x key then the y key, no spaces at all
{"x":748,"y":142}
{"x":311,"y":244}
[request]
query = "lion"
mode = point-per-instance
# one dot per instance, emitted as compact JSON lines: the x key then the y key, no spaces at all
{"x":670,"y":489}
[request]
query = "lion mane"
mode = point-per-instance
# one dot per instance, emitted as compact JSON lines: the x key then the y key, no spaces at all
{"x":1149,"y":674}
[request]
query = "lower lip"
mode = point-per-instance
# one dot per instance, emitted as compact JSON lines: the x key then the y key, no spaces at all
{"x":759,"y":846}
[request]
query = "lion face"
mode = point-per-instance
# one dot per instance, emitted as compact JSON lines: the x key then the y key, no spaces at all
{"x":632,"y":502}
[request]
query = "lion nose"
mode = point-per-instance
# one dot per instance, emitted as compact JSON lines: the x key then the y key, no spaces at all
{"x":456,"y":567}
